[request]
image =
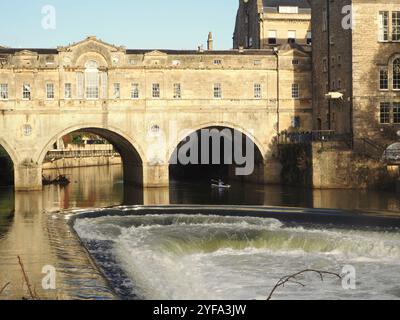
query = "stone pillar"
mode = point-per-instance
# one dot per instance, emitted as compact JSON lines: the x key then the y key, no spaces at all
{"x":28,"y":177}
{"x":272,"y":171}
{"x":156,"y":176}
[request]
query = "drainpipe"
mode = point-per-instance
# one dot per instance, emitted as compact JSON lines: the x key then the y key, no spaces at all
{"x":329,"y":58}
{"x":276,"y":52}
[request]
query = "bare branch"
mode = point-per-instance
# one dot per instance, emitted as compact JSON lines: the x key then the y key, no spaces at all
{"x":4,"y":287}
{"x":32,"y":293}
{"x":292,"y":279}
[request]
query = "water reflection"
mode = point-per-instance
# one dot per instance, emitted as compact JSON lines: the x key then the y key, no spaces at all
{"x":29,"y":228}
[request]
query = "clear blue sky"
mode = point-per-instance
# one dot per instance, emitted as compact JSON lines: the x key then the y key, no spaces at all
{"x":175,"y":24}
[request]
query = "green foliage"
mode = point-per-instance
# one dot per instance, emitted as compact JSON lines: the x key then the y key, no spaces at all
{"x":296,"y":164}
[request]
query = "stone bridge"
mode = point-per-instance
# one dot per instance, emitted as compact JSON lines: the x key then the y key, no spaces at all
{"x":144,"y":103}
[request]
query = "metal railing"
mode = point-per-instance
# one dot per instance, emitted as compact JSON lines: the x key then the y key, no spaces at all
{"x":314,"y":136}
{"x":68,"y":154}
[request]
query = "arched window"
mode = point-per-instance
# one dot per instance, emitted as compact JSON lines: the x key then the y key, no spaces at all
{"x":92,"y":80}
{"x":396,"y":74}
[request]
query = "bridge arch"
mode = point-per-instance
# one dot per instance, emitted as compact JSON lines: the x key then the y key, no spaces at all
{"x":215,"y":124}
{"x":131,"y":153}
{"x":12,"y":154}
{"x":221,"y":170}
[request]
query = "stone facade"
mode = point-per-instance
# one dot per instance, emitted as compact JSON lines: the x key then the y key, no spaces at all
{"x":264,"y":24}
{"x":146,"y":101}
{"x":349,"y":61}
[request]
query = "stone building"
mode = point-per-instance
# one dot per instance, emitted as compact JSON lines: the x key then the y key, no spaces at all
{"x":356,"y":67}
{"x":127,"y":95}
{"x":263,"y":24}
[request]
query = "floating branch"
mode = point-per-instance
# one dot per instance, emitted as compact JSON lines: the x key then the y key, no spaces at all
{"x":31,"y":291}
{"x":292,"y":279}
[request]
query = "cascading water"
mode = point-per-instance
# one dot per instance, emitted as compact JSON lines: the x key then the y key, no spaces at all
{"x":220,"y":257}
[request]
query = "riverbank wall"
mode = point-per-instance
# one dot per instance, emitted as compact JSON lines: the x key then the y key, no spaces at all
{"x":66,"y":163}
{"x":324,"y":166}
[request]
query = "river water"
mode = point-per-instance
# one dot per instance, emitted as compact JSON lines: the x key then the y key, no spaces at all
{"x":182,"y":256}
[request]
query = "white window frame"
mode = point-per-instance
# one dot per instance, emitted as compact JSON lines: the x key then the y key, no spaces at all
{"x":383,"y":26}
{"x":4,"y":91}
{"x":26,"y":92}
{"x":117,"y":91}
{"x":258,"y":92}
{"x":177,"y":91}
{"x":217,"y":91}
{"x":156,"y":91}
{"x":50,"y":91}
{"x":135,"y":91}
{"x":68,"y":91}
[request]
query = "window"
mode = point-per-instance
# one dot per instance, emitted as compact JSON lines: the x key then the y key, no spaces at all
{"x":50,"y":91}
{"x":156,"y":92}
{"x":135,"y":91}
{"x":92,"y":80}
{"x":383,"y":79}
{"x":217,"y":91}
{"x":396,"y":113}
{"x":309,"y":37}
{"x":218,"y":62}
{"x":257,"y":91}
{"x":79,"y":85}
{"x":324,"y":20}
{"x":4,"y":91}
{"x":296,"y":122}
{"x":385,"y":113}
{"x":291,"y":36}
{"x":339,"y":85}
{"x":272,"y":35}
{"x":325,"y":65}
{"x":295,"y":91}
{"x":339,"y":60}
{"x":396,"y":74}
{"x":383,"y":26}
{"x":117,"y":91}
{"x":68,"y":91}
{"x":396,"y":26}
{"x":250,"y":42}
{"x":104,"y":85}
{"x":177,"y":91}
{"x":295,"y":62}
{"x":26,"y":92}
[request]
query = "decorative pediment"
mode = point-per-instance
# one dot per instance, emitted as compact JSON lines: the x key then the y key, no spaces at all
{"x":156,"y":53}
{"x":92,"y":41}
{"x":27,"y":53}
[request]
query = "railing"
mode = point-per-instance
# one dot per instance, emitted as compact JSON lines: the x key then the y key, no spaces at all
{"x":314,"y":136}
{"x":67,"y":154}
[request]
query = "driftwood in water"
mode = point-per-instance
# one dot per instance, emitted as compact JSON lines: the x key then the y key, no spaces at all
{"x":293,"y":279}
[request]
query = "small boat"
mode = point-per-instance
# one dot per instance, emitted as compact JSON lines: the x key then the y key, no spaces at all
{"x":61,"y":180}
{"x":219,"y":184}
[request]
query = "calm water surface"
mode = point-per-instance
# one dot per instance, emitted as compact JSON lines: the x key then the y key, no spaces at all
{"x":30,"y":228}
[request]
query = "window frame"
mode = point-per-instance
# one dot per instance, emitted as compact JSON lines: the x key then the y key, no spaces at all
{"x":26,"y":94}
{"x":156,"y":90}
{"x":258,"y":92}
{"x":50,"y":88}
{"x":385,"y":115}
{"x":135,"y":91}
{"x":4,"y":89}
{"x":66,"y":85}
{"x":295,"y":91}
{"x":217,"y":90}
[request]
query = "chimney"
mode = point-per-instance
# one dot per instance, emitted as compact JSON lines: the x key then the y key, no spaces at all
{"x":210,"y":42}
